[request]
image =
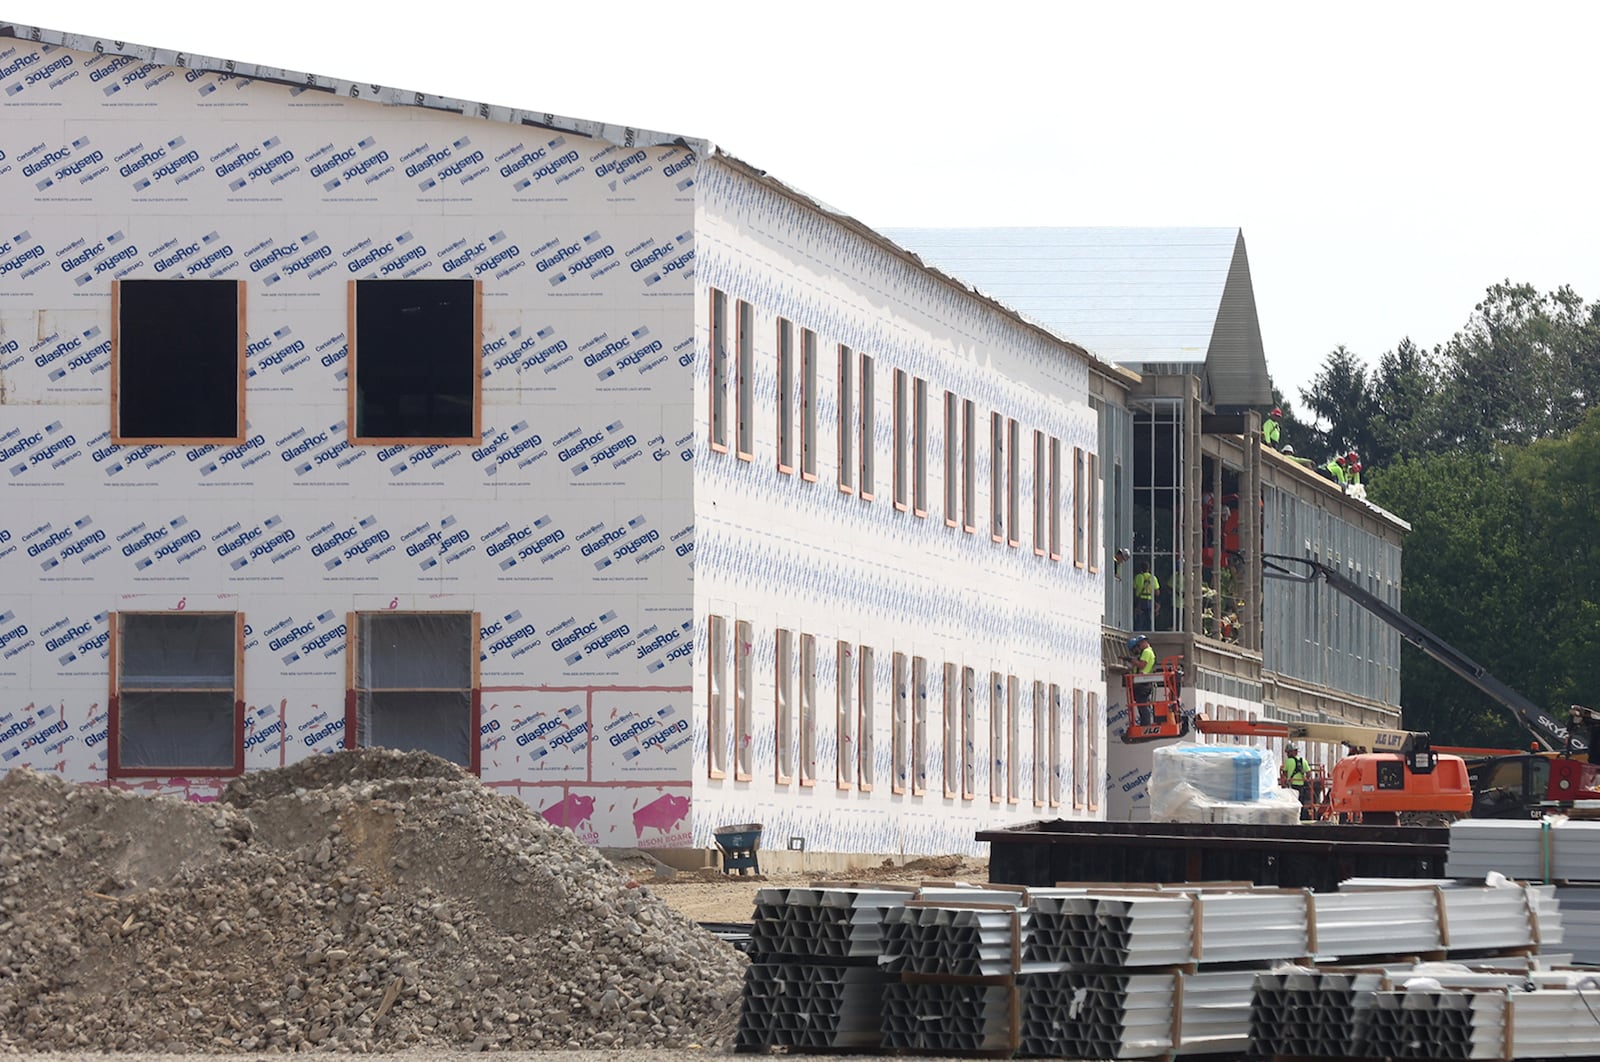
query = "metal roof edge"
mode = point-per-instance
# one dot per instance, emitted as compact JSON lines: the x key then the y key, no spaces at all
{"x":621,"y":135}
{"x":1117,"y":374}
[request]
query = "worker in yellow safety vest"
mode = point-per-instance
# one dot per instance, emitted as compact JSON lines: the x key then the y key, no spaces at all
{"x":1271,"y":430}
{"x":1297,"y":776}
{"x":1143,"y":663}
{"x":1145,"y":588}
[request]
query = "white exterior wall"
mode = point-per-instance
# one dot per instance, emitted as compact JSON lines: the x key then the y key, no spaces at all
{"x":776,"y":551}
{"x":114,"y":168}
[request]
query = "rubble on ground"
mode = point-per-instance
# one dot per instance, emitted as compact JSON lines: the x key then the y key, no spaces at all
{"x":367,"y":900}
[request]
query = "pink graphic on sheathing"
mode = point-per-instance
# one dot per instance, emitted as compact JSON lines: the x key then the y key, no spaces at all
{"x":661,"y":814}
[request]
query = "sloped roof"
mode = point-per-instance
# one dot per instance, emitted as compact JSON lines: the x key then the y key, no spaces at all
{"x":622,"y":135}
{"x":1155,"y":300}
{"x":626,"y":136}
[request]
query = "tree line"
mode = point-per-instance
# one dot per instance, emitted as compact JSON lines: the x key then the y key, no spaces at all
{"x":1489,"y":446}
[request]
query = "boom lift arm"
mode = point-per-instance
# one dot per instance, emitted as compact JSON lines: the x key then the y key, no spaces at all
{"x":1549,"y":733}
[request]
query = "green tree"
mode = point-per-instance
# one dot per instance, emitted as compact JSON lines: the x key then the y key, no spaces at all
{"x":1523,"y":368}
{"x":1467,"y":545}
{"x":1403,"y":399}
{"x":1341,"y":408}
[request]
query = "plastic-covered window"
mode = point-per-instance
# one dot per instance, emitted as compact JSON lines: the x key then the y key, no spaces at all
{"x":414,"y":681}
{"x":177,"y":705}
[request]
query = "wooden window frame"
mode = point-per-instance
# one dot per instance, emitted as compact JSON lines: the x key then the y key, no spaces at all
{"x":1055,"y":498}
{"x":1013,"y":483}
{"x":1055,"y":745}
{"x":783,"y":706}
{"x":868,"y":379}
{"x":717,"y":373}
{"x":997,"y":476}
{"x":744,"y":709}
{"x":744,"y":382}
{"x":1096,"y":771}
{"x":902,"y":424}
{"x":952,"y":460}
{"x":114,"y":766}
{"x":1041,"y":746}
{"x":717,"y":715}
{"x":354,"y":365}
{"x":900,"y":723}
{"x":1093,"y":484}
{"x":845,"y":754}
{"x":243,"y":370}
{"x":1013,"y":739}
{"x":1041,"y":531}
{"x":867,"y":722}
{"x":847,"y":420}
{"x":1077,"y":507}
{"x":474,"y":698}
{"x":808,"y":405}
{"x":952,"y":731}
{"x":806,"y":761}
{"x":1080,"y":769}
{"x":784,"y":341}
{"x":997,"y":744}
{"x":969,"y":734}
{"x":919,"y":447}
{"x":919,"y":726}
{"x":969,"y":467}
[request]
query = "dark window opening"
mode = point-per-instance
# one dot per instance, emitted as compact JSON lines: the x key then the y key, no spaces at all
{"x":179,"y":361}
{"x":415,"y":367}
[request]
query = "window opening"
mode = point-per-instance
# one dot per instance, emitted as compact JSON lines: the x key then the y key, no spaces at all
{"x":415,"y":357}
{"x":845,"y":679}
{"x":1041,"y":533}
{"x":969,"y":734}
{"x":969,"y":466}
{"x":747,"y":384}
{"x":1055,"y":498}
{"x":869,"y":448}
{"x":900,"y":469}
{"x":901,"y":722}
{"x":808,"y":709}
{"x":997,"y":738}
{"x":1013,"y":739}
{"x":717,"y":702}
{"x":952,"y":730}
{"x":719,"y":371}
{"x":867,"y":729}
{"x":997,"y":477}
{"x":919,"y":446}
{"x":919,"y":726}
{"x":1080,"y":748}
{"x":743,"y":701}
{"x":808,"y":404}
{"x":785,"y":396}
{"x":847,"y":419}
{"x":952,"y":461}
{"x":178,"y":361}
{"x":1055,"y":745}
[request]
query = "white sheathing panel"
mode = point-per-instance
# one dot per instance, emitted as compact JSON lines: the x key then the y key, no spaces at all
{"x":568,"y":529}
{"x":779,"y":552}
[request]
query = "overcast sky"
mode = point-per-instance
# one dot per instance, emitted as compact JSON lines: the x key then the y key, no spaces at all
{"x":1387,"y":161}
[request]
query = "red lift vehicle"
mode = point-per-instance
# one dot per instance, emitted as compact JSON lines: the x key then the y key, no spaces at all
{"x":1155,"y":708}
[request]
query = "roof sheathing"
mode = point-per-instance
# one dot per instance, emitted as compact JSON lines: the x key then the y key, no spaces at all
{"x":622,"y":135}
{"x":625,"y":136}
{"x":1117,"y":374}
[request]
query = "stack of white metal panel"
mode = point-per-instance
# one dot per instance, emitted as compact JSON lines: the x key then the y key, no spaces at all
{"x":815,"y":980}
{"x":950,"y":1017}
{"x":1430,"y":1010}
{"x":1552,"y":849}
{"x":1580,"y":919}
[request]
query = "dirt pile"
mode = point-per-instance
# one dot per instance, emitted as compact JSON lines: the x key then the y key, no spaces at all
{"x":366,"y":900}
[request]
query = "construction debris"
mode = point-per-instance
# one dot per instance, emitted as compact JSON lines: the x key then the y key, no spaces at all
{"x":364,"y":901}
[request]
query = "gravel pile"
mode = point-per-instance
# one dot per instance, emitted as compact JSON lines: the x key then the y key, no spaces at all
{"x":364,"y":901}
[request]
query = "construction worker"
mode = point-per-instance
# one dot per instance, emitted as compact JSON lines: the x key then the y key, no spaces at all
{"x":1145,"y":588}
{"x":1118,"y":559}
{"x":1288,"y":451}
{"x":1142,"y":662}
{"x":1296,"y":775}
{"x":1334,"y":470}
{"x":1270,"y":428}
